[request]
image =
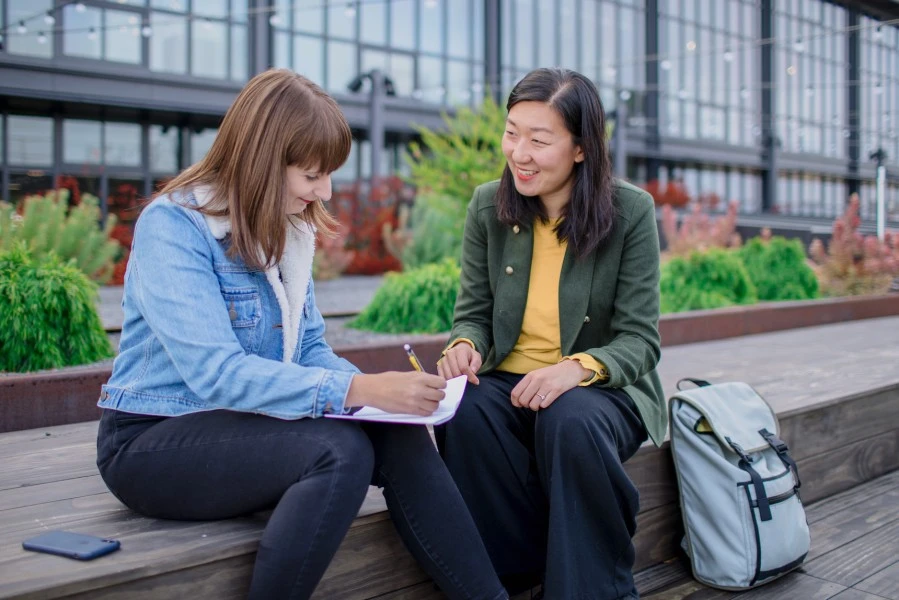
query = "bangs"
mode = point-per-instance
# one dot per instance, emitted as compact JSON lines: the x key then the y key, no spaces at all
{"x":322,"y":139}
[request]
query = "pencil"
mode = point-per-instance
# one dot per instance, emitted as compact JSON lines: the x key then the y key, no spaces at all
{"x":416,"y":364}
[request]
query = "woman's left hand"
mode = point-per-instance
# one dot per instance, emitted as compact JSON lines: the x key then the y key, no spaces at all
{"x":538,"y":389}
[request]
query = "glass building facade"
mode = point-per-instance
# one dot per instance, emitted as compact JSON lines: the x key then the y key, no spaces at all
{"x":778,"y":105}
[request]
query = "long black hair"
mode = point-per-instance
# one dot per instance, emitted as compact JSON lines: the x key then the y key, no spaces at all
{"x":589,"y":216}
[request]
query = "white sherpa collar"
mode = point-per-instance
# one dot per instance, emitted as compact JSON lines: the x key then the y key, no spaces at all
{"x":289,"y":278}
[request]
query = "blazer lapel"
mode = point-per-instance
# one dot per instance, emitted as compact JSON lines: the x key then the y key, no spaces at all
{"x":575,"y":285}
{"x":512,"y":288}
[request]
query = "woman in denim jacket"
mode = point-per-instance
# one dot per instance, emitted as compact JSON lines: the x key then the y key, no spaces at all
{"x":212,"y":408}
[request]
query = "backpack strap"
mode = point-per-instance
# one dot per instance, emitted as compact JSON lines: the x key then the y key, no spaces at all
{"x":782,"y":450}
{"x":761,"y":498}
{"x":697,"y":382}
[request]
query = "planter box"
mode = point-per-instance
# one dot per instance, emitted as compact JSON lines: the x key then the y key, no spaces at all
{"x":49,"y":398}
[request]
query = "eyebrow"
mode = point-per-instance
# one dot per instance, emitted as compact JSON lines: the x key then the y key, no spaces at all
{"x":544,"y":129}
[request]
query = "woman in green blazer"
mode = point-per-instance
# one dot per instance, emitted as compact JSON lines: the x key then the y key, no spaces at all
{"x":556,"y":327}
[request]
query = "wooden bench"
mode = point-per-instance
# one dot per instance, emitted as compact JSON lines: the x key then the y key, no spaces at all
{"x":835,"y":388}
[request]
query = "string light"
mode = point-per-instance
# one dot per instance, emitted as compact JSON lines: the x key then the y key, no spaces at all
{"x":350,"y":11}
{"x":41,"y":38}
{"x":21,"y":29}
{"x":728,"y":56}
{"x":49,"y":19}
{"x":80,"y":7}
{"x":691,"y":46}
{"x":798,"y":46}
{"x":791,"y":70}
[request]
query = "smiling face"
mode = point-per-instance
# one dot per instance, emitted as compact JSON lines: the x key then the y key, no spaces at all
{"x":305,"y":186}
{"x":541,"y":154}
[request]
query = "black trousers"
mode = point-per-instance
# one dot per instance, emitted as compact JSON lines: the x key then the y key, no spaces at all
{"x":314,"y":473}
{"x":547,"y":489}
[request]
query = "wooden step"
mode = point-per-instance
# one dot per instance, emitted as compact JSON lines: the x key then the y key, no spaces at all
{"x":836,"y":391}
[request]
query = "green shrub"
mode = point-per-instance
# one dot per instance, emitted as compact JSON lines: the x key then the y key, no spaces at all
{"x":48,"y":225}
{"x":416,"y":301}
{"x":710,"y":279}
{"x":437,"y":224}
{"x":778,"y":269}
{"x":466,"y":153}
{"x":48,"y":318}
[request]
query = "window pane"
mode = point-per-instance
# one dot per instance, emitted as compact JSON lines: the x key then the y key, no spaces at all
{"x":239,"y":55}
{"x":239,"y":10}
{"x":123,"y":39}
{"x":30,"y":43}
{"x":402,"y":71}
{"x":308,"y":15}
{"x":173,"y":5}
{"x":282,"y":50}
{"x":200,"y":143}
{"x":209,"y":56}
{"x":431,"y":26}
{"x":168,"y":44}
{"x":459,"y":82}
{"x":402,"y":24}
{"x":308,"y":57}
{"x":568,"y":36}
{"x":30,"y":141}
{"x":374,"y":22}
{"x":122,"y":144}
{"x":210,"y":8}
{"x":341,"y":65}
{"x":546,"y":37}
{"x":430,"y":79}
{"x":341,"y":20}
{"x":22,"y":185}
{"x":459,"y":29}
{"x":78,"y":40}
{"x":81,"y":142}
{"x":163,"y":149}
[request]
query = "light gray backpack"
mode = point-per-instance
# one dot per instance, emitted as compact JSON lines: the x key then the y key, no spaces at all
{"x":739,"y":489}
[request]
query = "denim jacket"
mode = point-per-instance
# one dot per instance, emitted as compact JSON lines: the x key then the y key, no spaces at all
{"x":203,"y":331}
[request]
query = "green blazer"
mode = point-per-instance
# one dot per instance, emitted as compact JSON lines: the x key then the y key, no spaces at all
{"x":608,"y":302}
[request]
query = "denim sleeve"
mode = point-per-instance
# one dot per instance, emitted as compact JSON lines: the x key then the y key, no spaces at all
{"x":315,"y":351}
{"x":177,"y":293}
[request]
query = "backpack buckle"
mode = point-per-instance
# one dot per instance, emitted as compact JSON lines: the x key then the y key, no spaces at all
{"x":775,"y":442}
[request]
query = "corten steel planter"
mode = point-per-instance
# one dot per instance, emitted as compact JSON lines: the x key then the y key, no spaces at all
{"x":31,"y":400}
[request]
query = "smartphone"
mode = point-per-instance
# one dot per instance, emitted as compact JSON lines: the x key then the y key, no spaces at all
{"x":72,"y":545}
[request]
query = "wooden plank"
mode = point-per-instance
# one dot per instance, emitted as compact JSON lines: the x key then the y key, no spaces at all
{"x":847,"y":466}
{"x":422,"y":591}
{"x":854,"y":594}
{"x":51,"y":492}
{"x":652,"y":471}
{"x":11,"y":442}
{"x":861,"y":414}
{"x":794,"y":585}
{"x":659,"y":532}
{"x":852,"y":497}
{"x":371,"y":561}
{"x":797,"y":368}
{"x":223,"y":580}
{"x":661,"y":576}
{"x":884,"y":583}
{"x":859,"y":559}
{"x":48,"y":465}
{"x":841,"y":528}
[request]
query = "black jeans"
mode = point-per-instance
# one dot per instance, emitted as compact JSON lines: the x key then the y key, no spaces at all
{"x":547,"y":489}
{"x":314,"y":473}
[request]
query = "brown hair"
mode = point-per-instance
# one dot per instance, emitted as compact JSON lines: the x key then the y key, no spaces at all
{"x":279,"y":119}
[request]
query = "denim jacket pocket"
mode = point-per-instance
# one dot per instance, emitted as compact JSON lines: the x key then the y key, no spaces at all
{"x":245,"y":311}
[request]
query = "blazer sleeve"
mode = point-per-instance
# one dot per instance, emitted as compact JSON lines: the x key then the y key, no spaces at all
{"x":635,"y":348}
{"x":473,"y":317}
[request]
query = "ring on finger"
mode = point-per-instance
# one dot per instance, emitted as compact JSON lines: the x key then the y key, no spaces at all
{"x":541,"y":396}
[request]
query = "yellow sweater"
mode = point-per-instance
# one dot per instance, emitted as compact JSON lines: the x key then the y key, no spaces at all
{"x":539,"y":343}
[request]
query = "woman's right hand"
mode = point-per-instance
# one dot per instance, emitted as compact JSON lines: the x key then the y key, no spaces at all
{"x":461,"y":359}
{"x":407,"y":392}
